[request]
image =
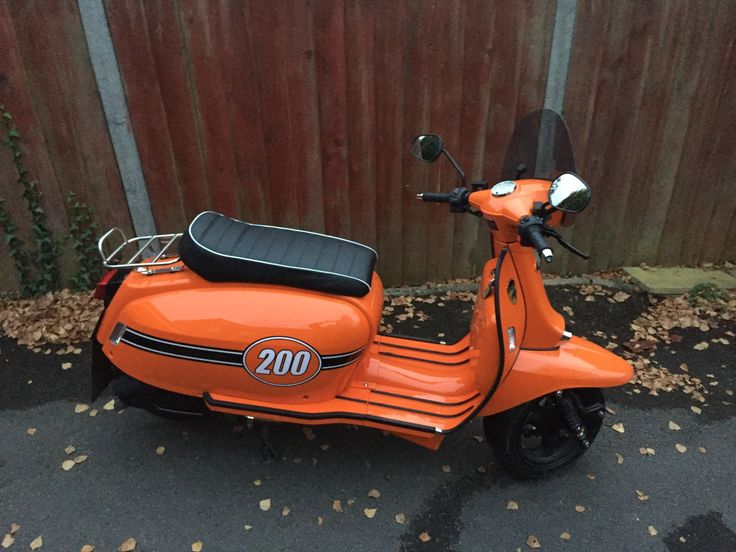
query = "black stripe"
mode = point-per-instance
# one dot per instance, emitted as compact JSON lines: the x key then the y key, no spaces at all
{"x":430,"y":401}
{"x":557,"y":348}
{"x":385,"y":405}
{"x":230,"y":358}
{"x":425,"y":360}
{"x":318,"y":415}
{"x":339,"y":361}
{"x":423,"y":350}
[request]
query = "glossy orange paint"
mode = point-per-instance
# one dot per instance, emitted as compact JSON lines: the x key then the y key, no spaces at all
{"x":301,"y":356}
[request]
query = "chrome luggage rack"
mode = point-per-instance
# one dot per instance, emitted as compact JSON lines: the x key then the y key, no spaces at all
{"x":152,"y":255}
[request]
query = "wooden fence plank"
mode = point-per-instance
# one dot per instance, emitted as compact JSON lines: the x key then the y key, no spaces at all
{"x":129,"y":29}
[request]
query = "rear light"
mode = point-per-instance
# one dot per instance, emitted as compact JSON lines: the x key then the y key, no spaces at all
{"x":102,"y":284}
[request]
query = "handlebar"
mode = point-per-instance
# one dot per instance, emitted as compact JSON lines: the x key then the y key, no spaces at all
{"x":531,"y":230}
{"x":435,"y":197}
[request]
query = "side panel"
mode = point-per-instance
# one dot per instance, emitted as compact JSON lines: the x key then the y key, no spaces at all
{"x":577,"y":363}
{"x":192,"y":337}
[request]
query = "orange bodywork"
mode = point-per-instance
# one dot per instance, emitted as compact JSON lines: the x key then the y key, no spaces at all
{"x":287,"y":354}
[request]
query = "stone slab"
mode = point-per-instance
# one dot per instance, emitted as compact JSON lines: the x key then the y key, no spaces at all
{"x":675,"y":281}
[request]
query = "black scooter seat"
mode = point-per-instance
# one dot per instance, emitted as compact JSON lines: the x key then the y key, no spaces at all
{"x":222,"y":249}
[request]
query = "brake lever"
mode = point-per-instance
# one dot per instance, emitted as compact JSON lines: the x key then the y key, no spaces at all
{"x":547,"y":231}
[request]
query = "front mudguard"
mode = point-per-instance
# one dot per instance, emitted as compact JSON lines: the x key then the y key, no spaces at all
{"x":576,"y":363}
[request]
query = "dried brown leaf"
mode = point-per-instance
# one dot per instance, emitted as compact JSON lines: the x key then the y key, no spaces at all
{"x":14,"y":528}
{"x":80,"y":458}
{"x":285,"y":511}
{"x":79,"y":408}
{"x":446,"y":468}
{"x":370,"y":512}
{"x":374,"y":493}
{"x":337,"y":505}
{"x":565,"y":535}
{"x":31,"y":431}
{"x":619,"y":459}
{"x":673,"y":426}
{"x":161,"y":450}
{"x":424,"y":537}
{"x":618,"y":427}
{"x":579,"y":508}
{"x":66,"y":465}
{"x":701,"y":450}
{"x":265,"y":504}
{"x":7,"y":541}
{"x":69,"y":449}
{"x":37,"y":543}
{"x":197,"y":546}
{"x":641,"y":496}
{"x":87,"y":548}
{"x":128,"y":545}
{"x":512,"y":505}
{"x":109,"y":405}
{"x":681,"y":448}
{"x":533,"y":542}
{"x":652,"y":530}
{"x":400,"y":518}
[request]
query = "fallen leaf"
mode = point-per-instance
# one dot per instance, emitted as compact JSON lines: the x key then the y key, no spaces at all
{"x":80,"y":408}
{"x":673,"y":426}
{"x":66,"y":365}
{"x":309,"y":433}
{"x":374,"y":493}
{"x":400,"y":518}
{"x":265,"y":504}
{"x":66,"y":465}
{"x":652,"y":530}
{"x":680,"y":448}
{"x":337,"y":505}
{"x":320,"y":521}
{"x":619,"y":459}
{"x":618,"y":427}
{"x":257,"y":482}
{"x":478,"y":438}
{"x":446,"y":468}
{"x":568,"y":311}
{"x":590,"y":476}
{"x":701,"y":450}
{"x":696,"y":409}
{"x":482,"y":469}
{"x":8,"y":540}
{"x":197,"y":546}
{"x":14,"y":528}
{"x":647,"y":451}
{"x":621,"y":296}
{"x":702,"y":346}
{"x":31,"y":431}
{"x":641,"y":496}
{"x":87,"y":548}
{"x":511,"y":505}
{"x":351,"y":501}
{"x":533,"y":542}
{"x":109,"y":405}
{"x":128,"y":546}
{"x":69,"y":450}
{"x":37,"y":543}
{"x":324,"y":447}
{"x":285,"y":511}
{"x":424,"y":537}
{"x":160,"y":450}
{"x":79,"y":459}
{"x":579,"y":508}
{"x":565,"y":536}
{"x":370,"y":512}
{"x":248,"y":527}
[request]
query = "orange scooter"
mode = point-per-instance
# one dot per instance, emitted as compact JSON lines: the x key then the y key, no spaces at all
{"x":281,"y":324}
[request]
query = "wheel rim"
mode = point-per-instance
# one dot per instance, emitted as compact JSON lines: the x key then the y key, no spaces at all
{"x":544,"y":437}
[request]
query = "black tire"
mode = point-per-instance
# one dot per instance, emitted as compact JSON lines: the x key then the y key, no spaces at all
{"x":533,"y":440}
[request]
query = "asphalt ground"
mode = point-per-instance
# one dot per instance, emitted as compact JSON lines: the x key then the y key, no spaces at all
{"x":204,"y":486}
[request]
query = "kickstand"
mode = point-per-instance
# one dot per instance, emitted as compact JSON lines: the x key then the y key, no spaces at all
{"x":269,"y":452}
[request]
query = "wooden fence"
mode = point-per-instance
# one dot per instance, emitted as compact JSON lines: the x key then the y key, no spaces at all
{"x":300,"y":113}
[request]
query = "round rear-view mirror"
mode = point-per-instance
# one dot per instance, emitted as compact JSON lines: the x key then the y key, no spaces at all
{"x":570,"y":193}
{"x":427,"y":147}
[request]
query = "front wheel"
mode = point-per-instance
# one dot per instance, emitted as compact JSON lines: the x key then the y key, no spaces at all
{"x":534,"y":439}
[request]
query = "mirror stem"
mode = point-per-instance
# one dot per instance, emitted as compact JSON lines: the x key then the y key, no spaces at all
{"x":455,"y":164}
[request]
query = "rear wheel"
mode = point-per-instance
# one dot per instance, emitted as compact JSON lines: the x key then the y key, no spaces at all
{"x":534,"y":439}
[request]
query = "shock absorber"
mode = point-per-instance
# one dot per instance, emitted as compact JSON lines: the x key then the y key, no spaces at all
{"x":572,"y":417}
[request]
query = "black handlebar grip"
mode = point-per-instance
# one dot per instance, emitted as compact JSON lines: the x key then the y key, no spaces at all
{"x":531,"y":234}
{"x":435,"y":197}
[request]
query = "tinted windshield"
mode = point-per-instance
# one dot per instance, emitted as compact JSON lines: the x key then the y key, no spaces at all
{"x":541,"y":143}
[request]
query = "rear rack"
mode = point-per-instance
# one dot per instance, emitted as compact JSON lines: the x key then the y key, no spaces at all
{"x":152,"y":253}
